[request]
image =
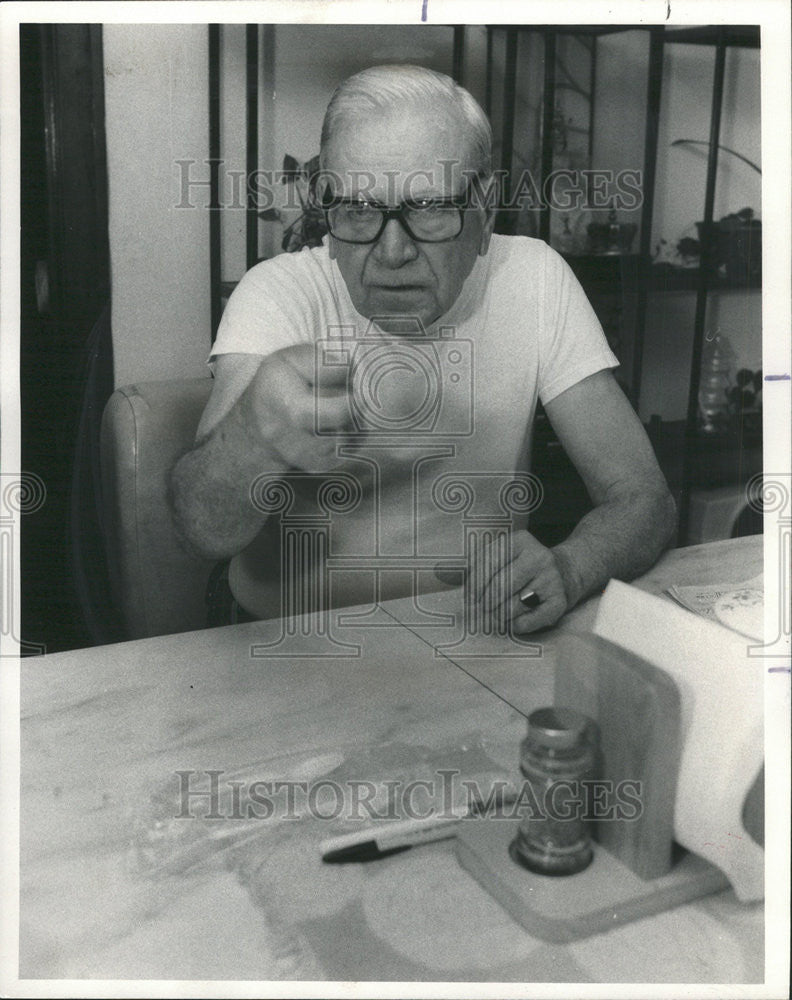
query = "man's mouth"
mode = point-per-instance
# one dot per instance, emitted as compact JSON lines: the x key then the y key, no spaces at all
{"x":398,"y":288}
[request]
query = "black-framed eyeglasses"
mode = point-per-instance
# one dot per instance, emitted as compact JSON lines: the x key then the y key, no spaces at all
{"x":425,"y":220}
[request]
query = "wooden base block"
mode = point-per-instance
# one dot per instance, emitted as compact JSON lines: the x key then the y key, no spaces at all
{"x":637,"y":708}
{"x":567,"y":908}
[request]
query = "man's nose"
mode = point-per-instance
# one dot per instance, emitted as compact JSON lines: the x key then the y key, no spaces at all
{"x":395,"y":246}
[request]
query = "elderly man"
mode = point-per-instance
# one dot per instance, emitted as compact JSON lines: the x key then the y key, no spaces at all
{"x":411,"y":263}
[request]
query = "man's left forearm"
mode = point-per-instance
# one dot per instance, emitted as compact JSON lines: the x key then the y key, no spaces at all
{"x":620,"y":538}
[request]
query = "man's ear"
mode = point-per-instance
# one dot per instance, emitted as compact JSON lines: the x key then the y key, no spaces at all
{"x":489,"y":207}
{"x":486,"y":232}
{"x":320,"y":187}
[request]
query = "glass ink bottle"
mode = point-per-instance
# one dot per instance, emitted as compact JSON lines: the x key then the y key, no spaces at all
{"x":557,"y":758}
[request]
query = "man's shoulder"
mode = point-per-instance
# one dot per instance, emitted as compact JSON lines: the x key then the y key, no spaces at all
{"x":513,"y":258}
{"x":298,"y":284}
{"x":522,"y":251}
{"x":310,"y":261}
{"x":279,"y":298}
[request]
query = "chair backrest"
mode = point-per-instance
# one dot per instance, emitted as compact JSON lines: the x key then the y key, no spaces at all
{"x":158,"y":586}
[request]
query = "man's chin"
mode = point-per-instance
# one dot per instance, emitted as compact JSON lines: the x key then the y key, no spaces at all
{"x":406,"y":323}
{"x":403,"y":325}
{"x":401,"y":315}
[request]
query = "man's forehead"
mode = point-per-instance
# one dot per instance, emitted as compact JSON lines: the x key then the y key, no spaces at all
{"x":396,"y":184}
{"x":400,"y":152}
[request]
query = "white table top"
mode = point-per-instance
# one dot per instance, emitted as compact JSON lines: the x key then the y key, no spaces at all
{"x":106,"y":894}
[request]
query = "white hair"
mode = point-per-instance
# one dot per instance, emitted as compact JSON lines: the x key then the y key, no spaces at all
{"x":381,"y":87}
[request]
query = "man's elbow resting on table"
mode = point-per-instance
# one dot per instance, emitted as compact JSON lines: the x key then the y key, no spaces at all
{"x":650,"y":514}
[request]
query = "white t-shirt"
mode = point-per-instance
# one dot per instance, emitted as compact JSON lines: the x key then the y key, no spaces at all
{"x":521,"y":330}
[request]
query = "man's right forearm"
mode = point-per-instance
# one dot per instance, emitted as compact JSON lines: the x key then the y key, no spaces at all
{"x":211,"y":487}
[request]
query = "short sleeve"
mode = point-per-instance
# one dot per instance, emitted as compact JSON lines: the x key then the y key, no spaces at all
{"x":573,"y":343}
{"x":268,"y":310}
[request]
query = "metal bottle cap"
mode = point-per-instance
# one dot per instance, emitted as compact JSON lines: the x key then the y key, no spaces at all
{"x":559,"y":728}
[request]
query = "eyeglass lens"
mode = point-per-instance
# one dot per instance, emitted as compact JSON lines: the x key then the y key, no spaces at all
{"x":363,"y":223}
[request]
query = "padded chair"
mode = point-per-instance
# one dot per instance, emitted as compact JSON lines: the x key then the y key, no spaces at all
{"x":157,"y":585}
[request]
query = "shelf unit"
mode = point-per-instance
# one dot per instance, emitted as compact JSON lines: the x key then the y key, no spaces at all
{"x":690,"y":459}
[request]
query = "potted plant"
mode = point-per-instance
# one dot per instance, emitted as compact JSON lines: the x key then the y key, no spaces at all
{"x":308,"y":228}
{"x":734,"y":242}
